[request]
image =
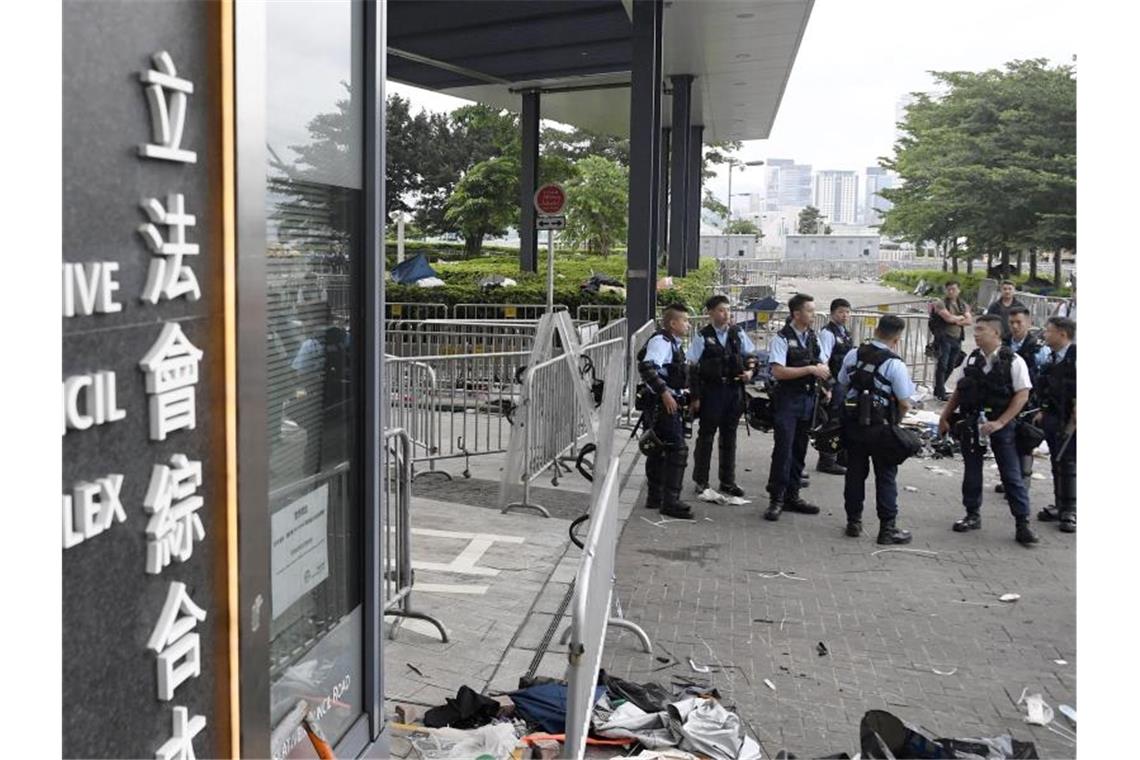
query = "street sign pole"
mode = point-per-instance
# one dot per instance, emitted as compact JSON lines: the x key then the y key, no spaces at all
{"x":549,"y":200}
{"x":550,"y":271}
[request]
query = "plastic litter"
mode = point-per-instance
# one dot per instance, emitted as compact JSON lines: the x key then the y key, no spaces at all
{"x":1061,"y":662}
{"x":715,"y":497}
{"x":939,"y":470}
{"x":949,"y":672}
{"x":1069,"y":712}
{"x":910,"y":489}
{"x":699,"y":668}
{"x":821,"y":648}
{"x":1009,"y":597}
{"x":769,"y":684}
{"x":1037,"y":711}
{"x":905,"y":551}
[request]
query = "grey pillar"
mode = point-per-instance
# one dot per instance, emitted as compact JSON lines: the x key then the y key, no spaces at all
{"x":528,"y":183}
{"x":663,"y":193}
{"x":682,"y":118}
{"x":644,"y":132}
{"x":693,"y":205}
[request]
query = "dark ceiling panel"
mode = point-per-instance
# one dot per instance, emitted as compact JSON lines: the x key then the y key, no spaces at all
{"x":515,"y":40}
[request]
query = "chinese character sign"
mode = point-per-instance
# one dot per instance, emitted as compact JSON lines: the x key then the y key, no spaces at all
{"x":173,"y":504}
{"x":171,"y":368}
{"x":168,"y":277}
{"x":178,"y":647}
{"x":166,"y":96}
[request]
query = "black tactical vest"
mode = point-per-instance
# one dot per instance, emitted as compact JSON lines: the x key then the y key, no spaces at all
{"x":843,"y":344}
{"x":799,"y":355}
{"x":720,"y":363}
{"x":990,"y":391}
{"x":869,"y":361}
{"x":1028,"y":352}
{"x":1057,"y":384}
{"x":676,"y":376}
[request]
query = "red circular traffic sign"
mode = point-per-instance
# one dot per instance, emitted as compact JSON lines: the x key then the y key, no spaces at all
{"x":550,"y":199}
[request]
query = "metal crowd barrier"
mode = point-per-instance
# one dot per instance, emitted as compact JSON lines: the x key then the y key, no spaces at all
{"x":915,"y":306}
{"x":397,"y":526}
{"x":601,"y":355}
{"x":600,"y":313}
{"x":502,"y":310}
{"x":590,"y":612}
{"x":458,"y":405}
{"x":548,"y":422}
{"x":398,"y":310}
{"x":1040,"y":307}
{"x":439,"y":337}
{"x":616,"y":328}
{"x":636,"y":342}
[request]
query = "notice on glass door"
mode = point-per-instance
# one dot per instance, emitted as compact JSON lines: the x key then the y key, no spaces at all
{"x":300,"y":557}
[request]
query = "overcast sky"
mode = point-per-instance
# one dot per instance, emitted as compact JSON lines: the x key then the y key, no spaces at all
{"x":858,"y":57}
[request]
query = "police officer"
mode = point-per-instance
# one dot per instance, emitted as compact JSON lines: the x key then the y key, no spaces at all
{"x":724,"y":359}
{"x":1058,"y":417}
{"x":796,"y":367}
{"x":992,"y":388}
{"x":664,"y":372}
{"x":834,"y":344}
{"x":1029,"y":347}
{"x":878,"y":395}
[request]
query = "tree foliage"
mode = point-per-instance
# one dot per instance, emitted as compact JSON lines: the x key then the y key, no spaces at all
{"x":989,"y":166}
{"x":484,"y":202}
{"x":809,"y":222}
{"x":742,"y":227}
{"x":597,"y":201}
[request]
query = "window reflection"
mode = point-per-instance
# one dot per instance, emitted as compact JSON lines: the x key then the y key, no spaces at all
{"x":314,"y":240}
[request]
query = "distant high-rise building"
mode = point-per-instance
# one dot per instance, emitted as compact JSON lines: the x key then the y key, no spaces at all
{"x":786,"y":183}
{"x":878,"y":179}
{"x":836,"y":194}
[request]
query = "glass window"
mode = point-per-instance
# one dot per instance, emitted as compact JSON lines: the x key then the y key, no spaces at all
{"x":314,"y":239}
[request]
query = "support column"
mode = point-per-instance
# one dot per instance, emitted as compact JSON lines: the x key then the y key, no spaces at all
{"x":682,"y":118}
{"x":663,"y":194}
{"x":644,"y":133}
{"x":693,"y":204}
{"x":528,"y":182}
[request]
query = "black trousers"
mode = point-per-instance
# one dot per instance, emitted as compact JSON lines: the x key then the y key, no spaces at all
{"x":721,"y":407}
{"x":792,"y":415}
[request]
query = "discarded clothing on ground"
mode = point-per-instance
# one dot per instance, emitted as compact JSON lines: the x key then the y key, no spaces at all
{"x":597,"y":280}
{"x":498,"y":741}
{"x":468,"y":709}
{"x":699,"y":725}
{"x":430,"y":282}
{"x":545,"y":705}
{"x":496,"y":281}
{"x":650,"y":697}
{"x":883,"y":735}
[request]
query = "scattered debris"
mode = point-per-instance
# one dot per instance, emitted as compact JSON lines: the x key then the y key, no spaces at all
{"x":665,"y":660}
{"x":769,"y":574}
{"x":1037,"y":476}
{"x":699,"y":668}
{"x":821,"y":648}
{"x":763,"y":620}
{"x":715,"y":497}
{"x":416,"y":670}
{"x":769,"y":684}
{"x":949,"y":672}
{"x":1037,"y":711}
{"x":906,"y":551}
{"x":1069,"y":712}
{"x":939,"y":470}
{"x":910,"y":489}
{"x":1061,"y":662}
{"x":1009,"y":597}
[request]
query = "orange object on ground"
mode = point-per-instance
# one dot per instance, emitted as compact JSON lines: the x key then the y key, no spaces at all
{"x":532,"y":738}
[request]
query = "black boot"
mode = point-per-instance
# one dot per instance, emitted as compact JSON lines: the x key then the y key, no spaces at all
{"x":1025,"y":535}
{"x":775,"y":509}
{"x":1049,"y":514}
{"x":674,"y":480}
{"x":1067,"y":497}
{"x":889,"y":534}
{"x":795,"y":503}
{"x":731,"y":489}
{"x":654,"y":474}
{"x":972,"y":521}
{"x":726,"y":467}
{"x":854,"y":528}
{"x":702,"y":458}
{"x":829,"y":464}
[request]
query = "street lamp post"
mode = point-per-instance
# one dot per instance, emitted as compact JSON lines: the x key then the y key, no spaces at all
{"x":732,"y":162}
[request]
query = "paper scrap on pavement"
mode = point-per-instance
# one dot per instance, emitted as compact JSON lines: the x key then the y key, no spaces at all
{"x":769,"y":684}
{"x":1009,"y":597}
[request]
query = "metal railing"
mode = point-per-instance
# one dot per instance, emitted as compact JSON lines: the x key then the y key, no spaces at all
{"x":502,"y":310}
{"x":636,"y":342}
{"x":913,"y":306}
{"x":617,"y":328}
{"x":601,"y":355}
{"x":396,"y":523}
{"x":401,"y":310}
{"x":590,"y":611}
{"x":600,"y":313}
{"x":442,"y":337}
{"x":460,"y":405}
{"x":548,"y":423}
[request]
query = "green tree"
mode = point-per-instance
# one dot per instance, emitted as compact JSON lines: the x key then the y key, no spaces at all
{"x":742,"y":227}
{"x":713,"y":205}
{"x":484,"y":202}
{"x":579,"y":143}
{"x":407,"y":141}
{"x":992,"y":160}
{"x":809,"y":221}
{"x":597,"y":201}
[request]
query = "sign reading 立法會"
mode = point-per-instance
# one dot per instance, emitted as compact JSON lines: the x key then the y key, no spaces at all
{"x":141,"y":388}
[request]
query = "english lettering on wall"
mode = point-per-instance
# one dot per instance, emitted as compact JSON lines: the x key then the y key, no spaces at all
{"x":90,"y":288}
{"x":90,"y":400}
{"x":92,"y":508}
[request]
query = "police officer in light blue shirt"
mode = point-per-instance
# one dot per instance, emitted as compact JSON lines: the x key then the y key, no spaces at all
{"x":723,"y":356}
{"x":797,"y":367}
{"x":879,"y":389}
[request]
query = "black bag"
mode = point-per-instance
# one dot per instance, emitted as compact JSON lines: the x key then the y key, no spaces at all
{"x":898,"y":444}
{"x":1027,"y":437}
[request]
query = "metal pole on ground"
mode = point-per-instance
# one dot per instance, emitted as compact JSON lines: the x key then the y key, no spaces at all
{"x":550,"y":271}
